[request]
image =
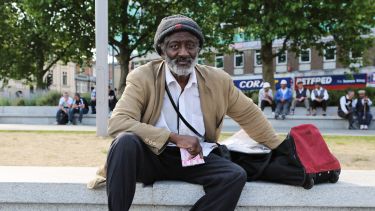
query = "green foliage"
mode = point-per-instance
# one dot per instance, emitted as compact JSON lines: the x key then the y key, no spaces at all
{"x":47,"y":99}
{"x":34,"y":35}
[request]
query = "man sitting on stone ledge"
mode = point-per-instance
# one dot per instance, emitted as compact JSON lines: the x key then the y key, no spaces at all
{"x":149,"y":133}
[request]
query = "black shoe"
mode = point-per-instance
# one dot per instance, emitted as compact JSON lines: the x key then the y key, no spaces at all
{"x":282,"y":117}
{"x":276,"y":116}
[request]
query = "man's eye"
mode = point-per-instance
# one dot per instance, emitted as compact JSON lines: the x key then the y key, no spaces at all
{"x":175,"y":46}
{"x":191,"y":46}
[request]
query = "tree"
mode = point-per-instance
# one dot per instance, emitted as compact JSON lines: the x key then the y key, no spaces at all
{"x":132,"y":26}
{"x":302,"y":24}
{"x":40,"y":33}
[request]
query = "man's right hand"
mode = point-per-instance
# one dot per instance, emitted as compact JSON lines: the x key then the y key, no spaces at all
{"x":190,"y":143}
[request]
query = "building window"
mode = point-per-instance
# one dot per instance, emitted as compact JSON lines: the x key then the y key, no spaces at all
{"x":281,"y":59}
{"x":219,"y":61}
{"x":238,"y":60}
{"x":305,"y":56}
{"x":65,"y":78}
{"x":257,"y":58}
{"x":355,"y":54}
{"x":201,"y":61}
{"x":330,"y":54}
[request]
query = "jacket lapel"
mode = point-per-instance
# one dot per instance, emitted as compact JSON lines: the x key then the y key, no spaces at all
{"x":205,"y":95}
{"x":159,"y":73}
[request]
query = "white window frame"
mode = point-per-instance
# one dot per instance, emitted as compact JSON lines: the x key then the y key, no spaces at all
{"x":235,"y":58}
{"x":65,"y":78}
{"x":256,"y":52}
{"x":219,"y":57}
{"x":300,"y":57}
{"x":324,"y":55}
{"x":286,"y":59}
{"x":202,"y":61}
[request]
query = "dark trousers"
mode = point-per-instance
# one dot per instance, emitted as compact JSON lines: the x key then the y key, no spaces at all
{"x":80,"y":111}
{"x":93,"y":106}
{"x":348,"y":116}
{"x":364,"y":118}
{"x":315,"y":104}
{"x":265,"y":103}
{"x":130,"y":161}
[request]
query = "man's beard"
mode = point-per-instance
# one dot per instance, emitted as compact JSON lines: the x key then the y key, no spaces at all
{"x":181,"y":70}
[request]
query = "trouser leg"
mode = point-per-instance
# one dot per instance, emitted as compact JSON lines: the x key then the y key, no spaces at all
{"x":368,"y":118}
{"x":307,"y":104}
{"x":58,"y":114}
{"x":273,"y":107}
{"x":71,"y":114}
{"x":294,"y":103}
{"x":324,"y":105}
{"x":278,"y":108}
{"x":222,"y":181}
{"x":285,"y":108}
{"x":80,"y":114}
{"x":128,"y":161}
{"x":263,"y":104}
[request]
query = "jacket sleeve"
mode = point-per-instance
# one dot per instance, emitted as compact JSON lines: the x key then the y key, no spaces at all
{"x":250,"y":117}
{"x":126,"y":116}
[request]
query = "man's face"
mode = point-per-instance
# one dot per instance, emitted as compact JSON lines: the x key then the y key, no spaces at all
{"x":362,"y":95}
{"x":65,"y":95}
{"x":180,"y":51}
{"x":283,"y":86}
{"x":317,"y":86}
{"x":351,"y":95}
{"x":266,"y":89}
{"x":300,"y":86}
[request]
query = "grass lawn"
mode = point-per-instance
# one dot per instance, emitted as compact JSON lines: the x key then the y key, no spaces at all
{"x":57,"y":148}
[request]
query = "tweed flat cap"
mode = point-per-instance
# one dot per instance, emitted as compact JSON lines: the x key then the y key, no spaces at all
{"x":176,"y":23}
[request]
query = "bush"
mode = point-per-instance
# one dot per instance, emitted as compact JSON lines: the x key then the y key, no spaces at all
{"x":49,"y":99}
{"x":4,"y":102}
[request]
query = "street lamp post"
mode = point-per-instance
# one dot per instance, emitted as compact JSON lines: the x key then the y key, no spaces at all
{"x":101,"y":43}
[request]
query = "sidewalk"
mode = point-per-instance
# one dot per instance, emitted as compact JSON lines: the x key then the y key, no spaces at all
{"x":231,"y":129}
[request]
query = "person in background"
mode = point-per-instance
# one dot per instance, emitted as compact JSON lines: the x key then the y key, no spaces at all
{"x":65,"y":103}
{"x":319,"y":98}
{"x":283,"y":99}
{"x":266,"y":97}
{"x":301,"y":96}
{"x":362,"y":109}
{"x":112,"y":100}
{"x":93,"y":100}
{"x":80,"y":106}
{"x":345,"y":109}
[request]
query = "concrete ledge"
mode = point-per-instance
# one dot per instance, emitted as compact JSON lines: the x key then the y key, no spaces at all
{"x":64,"y":188}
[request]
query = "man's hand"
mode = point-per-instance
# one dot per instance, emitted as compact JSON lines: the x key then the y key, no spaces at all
{"x":190,"y":143}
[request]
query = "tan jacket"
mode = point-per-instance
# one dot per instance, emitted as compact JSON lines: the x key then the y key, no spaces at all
{"x":140,"y":106}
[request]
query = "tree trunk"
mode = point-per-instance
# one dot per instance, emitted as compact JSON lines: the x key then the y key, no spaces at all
{"x":40,"y":84}
{"x":267,"y":63}
{"x":123,"y":58}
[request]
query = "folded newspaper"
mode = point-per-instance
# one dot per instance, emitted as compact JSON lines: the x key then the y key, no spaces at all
{"x":241,"y":142}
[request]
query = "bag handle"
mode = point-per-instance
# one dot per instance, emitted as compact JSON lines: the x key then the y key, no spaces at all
{"x":179,"y":114}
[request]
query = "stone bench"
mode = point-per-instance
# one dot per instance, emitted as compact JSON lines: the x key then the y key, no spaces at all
{"x":45,"y":115}
{"x":64,"y":188}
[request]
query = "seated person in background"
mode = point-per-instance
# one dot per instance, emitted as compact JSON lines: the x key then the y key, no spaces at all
{"x":80,"y":106}
{"x":112,"y":100}
{"x":301,"y":96}
{"x":65,"y":103}
{"x":319,"y":98}
{"x":266,"y":97}
{"x":283,"y":99}
{"x":345,"y":109}
{"x":362,"y":109}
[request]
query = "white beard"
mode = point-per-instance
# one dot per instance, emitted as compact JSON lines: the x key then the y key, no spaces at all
{"x":181,"y":71}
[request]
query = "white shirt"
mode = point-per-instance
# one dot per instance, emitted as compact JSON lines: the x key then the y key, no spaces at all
{"x":262,"y":95}
{"x":344,"y":103}
{"x":355,"y":101}
{"x":188,"y":103}
{"x":65,"y":103}
{"x":325,"y":94}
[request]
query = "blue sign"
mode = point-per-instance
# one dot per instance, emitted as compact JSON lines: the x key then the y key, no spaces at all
{"x":256,"y":84}
{"x":335,"y":82}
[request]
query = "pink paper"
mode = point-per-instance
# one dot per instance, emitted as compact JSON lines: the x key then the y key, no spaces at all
{"x":189,"y":160}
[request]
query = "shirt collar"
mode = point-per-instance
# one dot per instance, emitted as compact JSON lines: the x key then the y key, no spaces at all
{"x":171,"y":79}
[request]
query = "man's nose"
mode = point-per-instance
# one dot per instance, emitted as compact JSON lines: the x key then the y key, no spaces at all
{"x":183,"y":52}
